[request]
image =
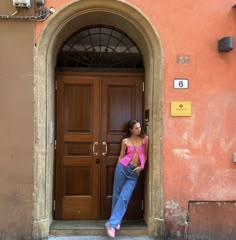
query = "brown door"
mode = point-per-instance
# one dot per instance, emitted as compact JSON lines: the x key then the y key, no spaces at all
{"x":92,"y":114}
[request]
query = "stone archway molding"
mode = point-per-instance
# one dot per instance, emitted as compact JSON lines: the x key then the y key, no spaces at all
{"x":63,"y":23}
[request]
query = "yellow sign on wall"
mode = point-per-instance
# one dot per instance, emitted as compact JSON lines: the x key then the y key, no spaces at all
{"x":181,"y":108}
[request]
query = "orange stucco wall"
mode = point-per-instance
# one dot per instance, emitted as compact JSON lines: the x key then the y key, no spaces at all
{"x":198,"y":149}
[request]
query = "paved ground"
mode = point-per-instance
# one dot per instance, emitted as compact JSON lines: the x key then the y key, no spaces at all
{"x":98,"y":238}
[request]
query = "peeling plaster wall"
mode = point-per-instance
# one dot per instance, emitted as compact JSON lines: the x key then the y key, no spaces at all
{"x":16,"y":126}
{"x":198,"y":149}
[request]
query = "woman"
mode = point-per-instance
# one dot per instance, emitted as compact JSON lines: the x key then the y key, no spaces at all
{"x":131,"y":162}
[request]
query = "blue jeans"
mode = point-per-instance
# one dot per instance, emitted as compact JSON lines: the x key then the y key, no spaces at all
{"x":125,"y":180}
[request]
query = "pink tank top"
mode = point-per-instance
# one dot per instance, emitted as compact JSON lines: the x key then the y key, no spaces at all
{"x":141,"y":150}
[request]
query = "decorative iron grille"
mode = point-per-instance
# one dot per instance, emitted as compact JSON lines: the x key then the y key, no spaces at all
{"x":100,"y":47}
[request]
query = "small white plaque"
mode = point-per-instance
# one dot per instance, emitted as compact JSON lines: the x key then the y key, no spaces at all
{"x":183,"y":59}
{"x":180,"y":83}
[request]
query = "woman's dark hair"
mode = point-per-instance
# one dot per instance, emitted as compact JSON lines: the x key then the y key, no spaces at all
{"x":131,"y":124}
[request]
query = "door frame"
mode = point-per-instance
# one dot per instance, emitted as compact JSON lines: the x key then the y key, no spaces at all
{"x":69,"y":19}
{"x":89,"y":77}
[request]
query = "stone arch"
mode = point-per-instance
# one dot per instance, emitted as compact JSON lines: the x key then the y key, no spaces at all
{"x":70,"y":19}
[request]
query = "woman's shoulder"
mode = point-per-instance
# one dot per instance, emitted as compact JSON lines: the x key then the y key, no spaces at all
{"x":125,"y":141}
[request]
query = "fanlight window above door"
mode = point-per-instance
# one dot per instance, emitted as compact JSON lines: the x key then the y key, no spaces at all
{"x":100,"y":47}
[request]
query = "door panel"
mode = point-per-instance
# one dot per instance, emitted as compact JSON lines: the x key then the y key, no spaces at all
{"x":122,"y":100}
{"x":92,"y":115}
{"x":77,"y":189}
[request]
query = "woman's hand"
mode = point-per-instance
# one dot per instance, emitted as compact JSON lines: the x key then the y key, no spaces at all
{"x":138,"y":170}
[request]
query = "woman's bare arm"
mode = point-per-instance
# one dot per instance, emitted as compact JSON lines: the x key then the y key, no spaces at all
{"x":123,"y":147}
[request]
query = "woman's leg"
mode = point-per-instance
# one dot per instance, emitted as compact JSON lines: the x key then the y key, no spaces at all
{"x":119,"y":181}
{"x":123,"y":198}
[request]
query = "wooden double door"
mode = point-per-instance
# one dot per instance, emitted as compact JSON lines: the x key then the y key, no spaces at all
{"x":91,"y":115}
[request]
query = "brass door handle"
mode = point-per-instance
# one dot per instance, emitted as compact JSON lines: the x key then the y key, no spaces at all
{"x":94,"y":144}
{"x":104,"y":144}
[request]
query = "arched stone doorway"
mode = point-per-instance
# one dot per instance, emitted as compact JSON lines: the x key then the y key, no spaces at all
{"x":100,"y":77}
{"x":73,"y":17}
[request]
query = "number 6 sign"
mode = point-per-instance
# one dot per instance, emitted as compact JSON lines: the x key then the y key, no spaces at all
{"x":181,"y":83}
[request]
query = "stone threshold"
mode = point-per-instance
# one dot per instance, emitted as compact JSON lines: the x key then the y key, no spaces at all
{"x":96,"y":227}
